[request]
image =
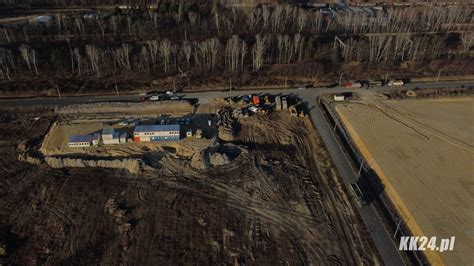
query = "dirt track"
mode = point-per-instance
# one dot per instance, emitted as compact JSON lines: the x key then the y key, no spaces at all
{"x":268,"y":207}
{"x":422,"y":150}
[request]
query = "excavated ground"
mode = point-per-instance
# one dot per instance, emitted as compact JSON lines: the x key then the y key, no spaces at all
{"x":278,"y":202}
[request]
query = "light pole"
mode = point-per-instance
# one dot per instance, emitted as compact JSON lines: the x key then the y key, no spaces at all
{"x":439,"y":74}
{"x":57,"y":88}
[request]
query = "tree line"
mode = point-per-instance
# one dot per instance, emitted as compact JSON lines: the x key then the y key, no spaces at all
{"x":188,"y":38}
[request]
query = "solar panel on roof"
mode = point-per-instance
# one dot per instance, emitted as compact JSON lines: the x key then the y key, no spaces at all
{"x":80,"y":138}
{"x":156,"y":128}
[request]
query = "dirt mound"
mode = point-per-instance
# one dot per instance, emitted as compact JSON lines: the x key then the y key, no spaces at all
{"x":219,"y":159}
{"x":125,"y":107}
{"x":216,"y":156}
{"x":228,"y":127}
{"x":132,"y":165}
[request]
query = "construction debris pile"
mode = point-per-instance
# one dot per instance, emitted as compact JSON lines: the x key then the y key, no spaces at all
{"x":219,"y":155}
{"x":227,"y":125}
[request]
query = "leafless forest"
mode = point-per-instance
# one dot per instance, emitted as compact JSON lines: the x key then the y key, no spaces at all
{"x":190,"y":41}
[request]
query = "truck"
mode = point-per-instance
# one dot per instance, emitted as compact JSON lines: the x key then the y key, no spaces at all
{"x":277,"y":103}
{"x":353,"y":85}
{"x":396,"y":82}
{"x":339,"y":97}
{"x":284,"y":103}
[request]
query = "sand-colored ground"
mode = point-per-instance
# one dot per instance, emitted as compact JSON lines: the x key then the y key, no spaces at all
{"x":423,"y":152}
{"x":55,"y":142}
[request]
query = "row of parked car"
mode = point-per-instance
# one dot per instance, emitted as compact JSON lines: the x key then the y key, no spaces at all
{"x":159,"y":96}
{"x":179,"y":121}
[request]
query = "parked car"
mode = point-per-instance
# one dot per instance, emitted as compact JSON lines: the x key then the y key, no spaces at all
{"x":123,"y":123}
{"x":396,"y":83}
{"x":155,"y":98}
{"x":253,"y":109}
{"x":175,"y":97}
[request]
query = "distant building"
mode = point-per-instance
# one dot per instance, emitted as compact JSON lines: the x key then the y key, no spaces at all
{"x":95,"y":139}
{"x":156,"y":133}
{"x":109,"y":136}
{"x":80,"y":141}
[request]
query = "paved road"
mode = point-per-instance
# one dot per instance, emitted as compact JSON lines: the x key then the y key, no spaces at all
{"x":208,"y":96}
{"x":381,"y":237}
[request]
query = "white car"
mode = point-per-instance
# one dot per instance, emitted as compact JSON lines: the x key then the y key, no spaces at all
{"x":253,"y":109}
{"x":169,"y":92}
{"x":154,"y":98}
{"x":123,"y":123}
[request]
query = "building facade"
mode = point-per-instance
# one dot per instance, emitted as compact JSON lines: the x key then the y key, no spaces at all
{"x":80,"y":141}
{"x":156,"y":133}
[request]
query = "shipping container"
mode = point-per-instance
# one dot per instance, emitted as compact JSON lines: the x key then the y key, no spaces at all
{"x":256,"y":100}
{"x":339,"y":98}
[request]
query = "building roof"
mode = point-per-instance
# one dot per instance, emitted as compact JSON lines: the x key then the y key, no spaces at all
{"x":80,"y":138}
{"x":116,"y":135}
{"x":96,"y":136}
{"x":107,"y":131}
{"x":156,"y":128}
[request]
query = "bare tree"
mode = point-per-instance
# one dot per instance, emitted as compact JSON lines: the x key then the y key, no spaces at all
{"x":186,"y":48}
{"x":29,"y":55}
{"x":77,"y":56}
{"x":93,"y":54}
{"x":153,"y":48}
{"x":258,"y":51}
{"x":467,"y":40}
{"x":165,"y":51}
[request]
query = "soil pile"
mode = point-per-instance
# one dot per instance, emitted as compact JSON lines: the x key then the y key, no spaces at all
{"x":132,"y":165}
{"x":227,"y":126}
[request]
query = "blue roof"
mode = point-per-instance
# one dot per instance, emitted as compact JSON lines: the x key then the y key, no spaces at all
{"x":80,"y":138}
{"x":155,"y":128}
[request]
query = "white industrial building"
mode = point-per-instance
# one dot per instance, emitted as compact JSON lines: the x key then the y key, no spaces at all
{"x":109,"y":136}
{"x":156,"y":133}
{"x":95,"y":139}
{"x":80,"y":141}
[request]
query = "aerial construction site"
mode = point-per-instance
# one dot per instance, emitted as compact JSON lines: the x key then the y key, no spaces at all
{"x":257,"y":187}
{"x":243,"y":132}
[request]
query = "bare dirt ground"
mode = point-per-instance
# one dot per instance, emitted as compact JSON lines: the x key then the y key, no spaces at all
{"x":278,"y":203}
{"x":422,"y":150}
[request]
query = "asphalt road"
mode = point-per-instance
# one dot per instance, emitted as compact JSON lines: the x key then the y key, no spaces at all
{"x":386,"y":247}
{"x":205,"y":97}
{"x":381,"y":237}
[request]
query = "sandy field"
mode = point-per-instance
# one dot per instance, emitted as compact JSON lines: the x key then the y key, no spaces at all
{"x":423,"y":152}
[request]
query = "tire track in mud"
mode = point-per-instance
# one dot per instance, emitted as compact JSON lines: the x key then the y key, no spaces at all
{"x":416,"y":125}
{"x":299,"y":224}
{"x":348,"y":246}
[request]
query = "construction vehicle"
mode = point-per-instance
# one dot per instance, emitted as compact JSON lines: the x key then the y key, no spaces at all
{"x":266,"y":100}
{"x":293,"y":110}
